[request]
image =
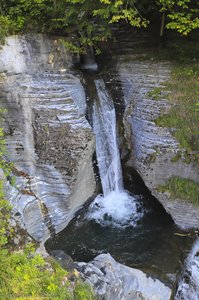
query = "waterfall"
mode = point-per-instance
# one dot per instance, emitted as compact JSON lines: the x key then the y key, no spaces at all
{"x":188,"y":287}
{"x":116,"y":207}
{"x":108,"y":156}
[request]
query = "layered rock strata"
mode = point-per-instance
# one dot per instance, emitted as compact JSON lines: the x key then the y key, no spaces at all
{"x":49,"y":140}
{"x":154,"y":147}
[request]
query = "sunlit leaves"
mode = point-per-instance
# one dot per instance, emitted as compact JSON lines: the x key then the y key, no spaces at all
{"x":182,"y":15}
{"x":87,"y":22}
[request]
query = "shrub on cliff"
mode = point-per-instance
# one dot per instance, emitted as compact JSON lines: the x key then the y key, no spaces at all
{"x":25,"y":275}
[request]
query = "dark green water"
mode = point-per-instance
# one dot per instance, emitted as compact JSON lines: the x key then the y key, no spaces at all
{"x":154,"y":245}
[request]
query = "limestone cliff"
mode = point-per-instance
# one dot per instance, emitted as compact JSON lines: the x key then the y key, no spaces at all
{"x":48,"y":137}
{"x":153,"y":147}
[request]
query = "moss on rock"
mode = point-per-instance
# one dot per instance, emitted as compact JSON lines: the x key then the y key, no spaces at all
{"x":182,"y":188}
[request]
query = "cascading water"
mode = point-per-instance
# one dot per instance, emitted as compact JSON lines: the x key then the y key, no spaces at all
{"x":108,"y":156}
{"x":153,"y":246}
{"x":116,"y":207}
{"x":188,"y":288}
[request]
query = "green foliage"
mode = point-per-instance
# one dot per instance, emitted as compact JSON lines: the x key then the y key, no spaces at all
{"x":25,"y":275}
{"x":90,"y":21}
{"x":87,"y":23}
{"x":182,"y":15}
{"x":4,"y":164}
{"x":5,"y":27}
{"x":155,"y":93}
{"x":83,"y":293}
{"x":4,"y":218}
{"x":176,"y":157}
{"x":183,"y":118}
{"x":182,"y":188}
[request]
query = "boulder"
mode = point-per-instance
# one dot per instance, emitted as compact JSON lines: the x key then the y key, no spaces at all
{"x":63,"y":259}
{"x":114,"y":281}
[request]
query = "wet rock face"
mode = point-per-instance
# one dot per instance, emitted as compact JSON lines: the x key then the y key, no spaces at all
{"x":22,"y":54}
{"x":48,"y":137}
{"x":154,"y":147}
{"x":188,"y":285}
{"x":114,"y":281}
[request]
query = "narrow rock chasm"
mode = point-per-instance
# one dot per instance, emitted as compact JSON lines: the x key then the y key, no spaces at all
{"x":54,"y":116}
{"x":151,"y":245}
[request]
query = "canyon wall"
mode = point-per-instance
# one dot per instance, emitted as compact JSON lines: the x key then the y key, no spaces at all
{"x":154,"y":148}
{"x":48,"y":139}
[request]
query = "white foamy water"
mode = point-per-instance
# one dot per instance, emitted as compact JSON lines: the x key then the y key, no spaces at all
{"x":108,"y":156}
{"x":188,"y":288}
{"x":115,"y":207}
{"x":118,"y":209}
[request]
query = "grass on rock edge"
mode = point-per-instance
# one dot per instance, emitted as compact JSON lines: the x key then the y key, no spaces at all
{"x":183,"y":117}
{"x":182,"y":188}
{"x":182,"y":91}
{"x":25,"y":275}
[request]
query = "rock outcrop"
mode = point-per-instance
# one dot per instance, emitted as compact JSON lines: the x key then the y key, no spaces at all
{"x":114,"y":281}
{"x":154,"y":147}
{"x":49,"y":140}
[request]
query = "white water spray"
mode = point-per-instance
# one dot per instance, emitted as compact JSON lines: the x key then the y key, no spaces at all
{"x":116,"y":207}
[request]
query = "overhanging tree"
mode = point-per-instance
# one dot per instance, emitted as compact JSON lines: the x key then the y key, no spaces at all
{"x":182,"y":15}
{"x":86,"y":22}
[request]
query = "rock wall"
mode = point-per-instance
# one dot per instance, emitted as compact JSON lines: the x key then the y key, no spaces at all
{"x":114,"y":281}
{"x":33,"y":53}
{"x":48,"y":137}
{"x":154,"y":147}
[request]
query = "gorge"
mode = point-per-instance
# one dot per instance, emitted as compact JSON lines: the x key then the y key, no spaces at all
{"x":51,"y":144}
